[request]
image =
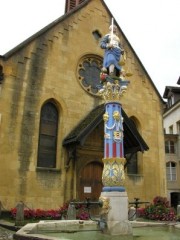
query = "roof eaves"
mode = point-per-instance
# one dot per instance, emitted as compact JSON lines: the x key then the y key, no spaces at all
{"x":135,"y":133}
{"x":77,"y":135}
{"x":166,"y":91}
{"x":173,"y":89}
{"x":178,"y":82}
{"x":169,"y":110}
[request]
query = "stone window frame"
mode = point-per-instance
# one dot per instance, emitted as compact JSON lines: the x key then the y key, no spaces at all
{"x":170,"y":147}
{"x":90,"y":64}
{"x":171,"y":171}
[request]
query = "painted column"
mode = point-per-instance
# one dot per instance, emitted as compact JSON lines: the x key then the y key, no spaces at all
{"x":113,"y":131}
{"x":113,"y":177}
{"x":113,"y":173}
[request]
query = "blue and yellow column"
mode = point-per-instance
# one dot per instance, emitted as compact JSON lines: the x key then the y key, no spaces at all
{"x":113,"y":176}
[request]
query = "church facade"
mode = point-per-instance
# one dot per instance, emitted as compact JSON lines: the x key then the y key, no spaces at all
{"x":51,"y":125}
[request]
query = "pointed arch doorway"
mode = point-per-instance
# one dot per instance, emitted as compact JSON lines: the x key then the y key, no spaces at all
{"x":90,"y":181}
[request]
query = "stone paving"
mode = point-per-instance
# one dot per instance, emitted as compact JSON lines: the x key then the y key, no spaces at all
{"x":5,"y":234}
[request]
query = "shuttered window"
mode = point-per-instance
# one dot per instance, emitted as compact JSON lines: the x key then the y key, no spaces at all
{"x":71,"y":4}
{"x":48,"y":136}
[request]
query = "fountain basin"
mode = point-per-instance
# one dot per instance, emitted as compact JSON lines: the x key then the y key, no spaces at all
{"x":41,"y":229}
{"x":76,"y":230}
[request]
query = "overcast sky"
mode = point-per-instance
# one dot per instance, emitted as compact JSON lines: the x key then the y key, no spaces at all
{"x":151,"y":26}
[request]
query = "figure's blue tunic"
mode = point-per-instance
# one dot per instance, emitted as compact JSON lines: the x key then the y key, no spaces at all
{"x":111,"y":55}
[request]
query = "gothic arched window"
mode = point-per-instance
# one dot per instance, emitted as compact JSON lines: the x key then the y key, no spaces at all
{"x":132,"y":166}
{"x":1,"y":74}
{"x":48,"y":136}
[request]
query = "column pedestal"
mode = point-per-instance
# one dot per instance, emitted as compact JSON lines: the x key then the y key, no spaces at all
{"x":117,"y":216}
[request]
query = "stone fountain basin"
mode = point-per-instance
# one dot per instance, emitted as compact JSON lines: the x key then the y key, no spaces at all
{"x":34,"y":231}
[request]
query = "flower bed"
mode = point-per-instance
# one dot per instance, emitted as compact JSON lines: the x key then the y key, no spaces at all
{"x":52,"y":214}
{"x":159,"y":210}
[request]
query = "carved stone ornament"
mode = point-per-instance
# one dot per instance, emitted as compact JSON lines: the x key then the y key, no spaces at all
{"x":88,"y":73}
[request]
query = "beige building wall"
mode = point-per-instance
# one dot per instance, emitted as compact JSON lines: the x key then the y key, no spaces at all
{"x":46,"y":68}
{"x":171,"y":117}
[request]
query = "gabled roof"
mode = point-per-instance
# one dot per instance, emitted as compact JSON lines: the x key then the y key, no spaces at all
{"x":170,"y":89}
{"x":133,"y":142}
{"x":57,"y":21}
{"x":170,"y":109}
{"x":178,"y":82}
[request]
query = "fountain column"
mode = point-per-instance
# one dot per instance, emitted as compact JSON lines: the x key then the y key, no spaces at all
{"x":113,"y":176}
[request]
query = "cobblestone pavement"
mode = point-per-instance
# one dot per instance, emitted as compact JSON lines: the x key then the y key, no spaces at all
{"x":6,"y":234}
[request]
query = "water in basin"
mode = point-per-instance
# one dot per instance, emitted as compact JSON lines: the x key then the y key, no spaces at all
{"x":139,"y":233}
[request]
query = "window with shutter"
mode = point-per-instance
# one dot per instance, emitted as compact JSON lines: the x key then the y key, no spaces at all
{"x":71,"y":4}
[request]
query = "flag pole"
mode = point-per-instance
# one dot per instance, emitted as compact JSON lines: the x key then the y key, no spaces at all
{"x":112,"y":26}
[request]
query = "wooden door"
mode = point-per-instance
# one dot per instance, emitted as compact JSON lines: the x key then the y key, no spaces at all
{"x":90,"y":181}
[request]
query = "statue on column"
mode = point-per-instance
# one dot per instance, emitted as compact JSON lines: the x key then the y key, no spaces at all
{"x":113,"y":85}
{"x":113,"y":52}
